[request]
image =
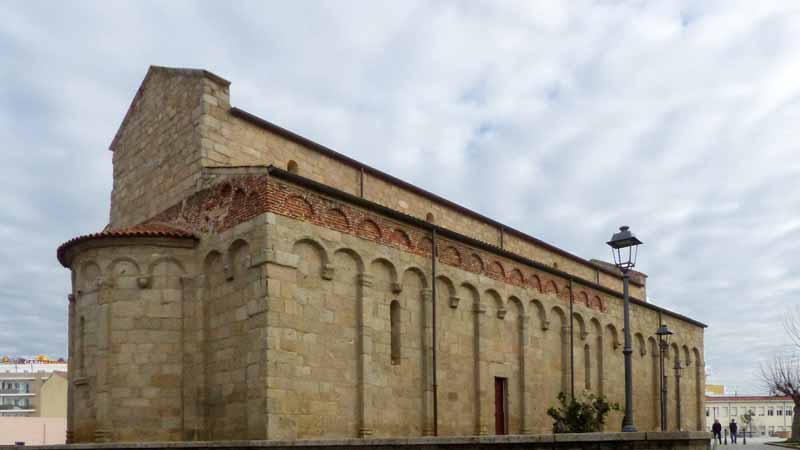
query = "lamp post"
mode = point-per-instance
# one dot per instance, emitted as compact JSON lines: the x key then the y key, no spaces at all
{"x":624,"y":247}
{"x":663,"y":345}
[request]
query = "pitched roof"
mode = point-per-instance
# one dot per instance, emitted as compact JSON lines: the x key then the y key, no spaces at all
{"x":142,"y":230}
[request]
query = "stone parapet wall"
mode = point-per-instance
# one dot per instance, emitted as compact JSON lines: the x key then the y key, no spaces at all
{"x":693,"y":440}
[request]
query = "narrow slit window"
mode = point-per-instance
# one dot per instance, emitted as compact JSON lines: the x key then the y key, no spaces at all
{"x":394,"y":318}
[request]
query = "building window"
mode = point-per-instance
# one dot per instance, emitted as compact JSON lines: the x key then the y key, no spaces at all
{"x":779,"y":412}
{"x":292,"y":167}
{"x":430,"y":218}
{"x":734,"y":411}
{"x":394,"y":319}
{"x":716,"y":411}
{"x":724,"y":411}
{"x":708,"y":412}
{"x":770,"y":411}
{"x":760,"y":410}
{"x":788,"y":412}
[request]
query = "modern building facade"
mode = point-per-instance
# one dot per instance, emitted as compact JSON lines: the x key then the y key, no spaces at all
{"x":253,"y":284}
{"x":32,"y":389}
{"x":772,"y":416}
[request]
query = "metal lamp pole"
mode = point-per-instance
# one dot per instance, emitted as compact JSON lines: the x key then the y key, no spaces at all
{"x":625,"y":261}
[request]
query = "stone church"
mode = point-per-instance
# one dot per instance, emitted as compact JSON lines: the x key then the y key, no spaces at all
{"x":254,"y":284}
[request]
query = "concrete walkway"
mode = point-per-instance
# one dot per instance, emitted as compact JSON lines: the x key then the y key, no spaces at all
{"x":752,"y":444}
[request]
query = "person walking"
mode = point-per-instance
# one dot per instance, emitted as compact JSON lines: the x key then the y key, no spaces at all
{"x":717,"y":430}
{"x":734,"y":428}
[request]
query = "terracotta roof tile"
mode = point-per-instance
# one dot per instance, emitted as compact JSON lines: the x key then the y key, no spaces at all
{"x":142,"y":230}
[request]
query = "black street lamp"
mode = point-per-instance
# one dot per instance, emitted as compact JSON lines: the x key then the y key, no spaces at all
{"x":624,"y":249}
{"x":663,"y":346}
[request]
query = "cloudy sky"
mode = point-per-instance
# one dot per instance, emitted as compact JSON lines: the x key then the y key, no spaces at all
{"x":562,"y":119}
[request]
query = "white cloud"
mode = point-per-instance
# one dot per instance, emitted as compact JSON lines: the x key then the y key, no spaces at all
{"x":563,"y":119}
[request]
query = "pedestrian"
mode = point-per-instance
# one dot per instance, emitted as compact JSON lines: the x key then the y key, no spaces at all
{"x":717,"y":430}
{"x":734,"y":428}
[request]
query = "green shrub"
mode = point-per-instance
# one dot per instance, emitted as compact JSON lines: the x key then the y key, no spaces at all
{"x":586,"y":414}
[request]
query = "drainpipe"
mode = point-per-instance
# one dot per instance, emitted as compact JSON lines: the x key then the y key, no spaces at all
{"x":361,"y":184}
{"x":433,"y":319}
{"x":571,"y":344}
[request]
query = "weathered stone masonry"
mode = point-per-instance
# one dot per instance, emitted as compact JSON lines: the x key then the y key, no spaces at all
{"x":230,"y":299}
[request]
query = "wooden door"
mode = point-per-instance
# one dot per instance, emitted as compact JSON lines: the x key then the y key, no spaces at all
{"x":500,"y":405}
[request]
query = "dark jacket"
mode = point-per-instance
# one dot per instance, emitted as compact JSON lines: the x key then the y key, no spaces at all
{"x":733,"y":427}
{"x":717,"y":428}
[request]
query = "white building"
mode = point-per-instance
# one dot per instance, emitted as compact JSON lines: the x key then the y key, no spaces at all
{"x":771,"y":415}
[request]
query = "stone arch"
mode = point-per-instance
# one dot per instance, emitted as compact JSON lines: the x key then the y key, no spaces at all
{"x":89,"y":273}
{"x":414,"y":271}
{"x":475,"y":263}
{"x":520,"y":305}
{"x":449,"y":287}
{"x":352,"y":254}
{"x":166,"y":273}
{"x":535,"y":282}
{"x":323,"y":252}
{"x":687,"y":360}
{"x":451,"y":255}
{"x":641,"y":348}
{"x":299,"y":207}
{"x":239,"y":257}
{"x":425,"y":244}
{"x":611,"y":332}
{"x":368,"y":229}
{"x":497,"y":300}
{"x":213,"y":268}
{"x":123,"y":266}
{"x":336,"y":218}
{"x":516,"y":277}
{"x":313,"y":257}
{"x":542,"y":313}
{"x":550,"y":287}
{"x":400,"y":238}
{"x":155,"y":267}
{"x":382,"y":263}
{"x":124,"y":272}
{"x":583,"y":299}
{"x":597,"y":303}
{"x":581,"y":325}
{"x":496,"y":269}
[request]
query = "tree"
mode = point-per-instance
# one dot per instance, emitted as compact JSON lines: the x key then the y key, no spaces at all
{"x":747,"y":420}
{"x":781,"y":375}
{"x":584,"y":415}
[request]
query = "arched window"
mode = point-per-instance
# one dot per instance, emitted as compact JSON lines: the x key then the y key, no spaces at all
{"x":292,"y":167}
{"x":430,"y":218}
{"x":394,"y":318}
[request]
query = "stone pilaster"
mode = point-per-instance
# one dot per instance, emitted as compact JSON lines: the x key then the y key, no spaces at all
{"x":566,"y":368}
{"x":524,"y":337}
{"x":482,"y":381}
{"x":427,"y":362}
{"x":365,"y":345}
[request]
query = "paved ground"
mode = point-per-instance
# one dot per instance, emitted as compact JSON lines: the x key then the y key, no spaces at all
{"x":752,"y":444}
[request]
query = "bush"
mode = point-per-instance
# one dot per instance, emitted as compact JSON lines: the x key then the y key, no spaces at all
{"x":583,"y":415}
